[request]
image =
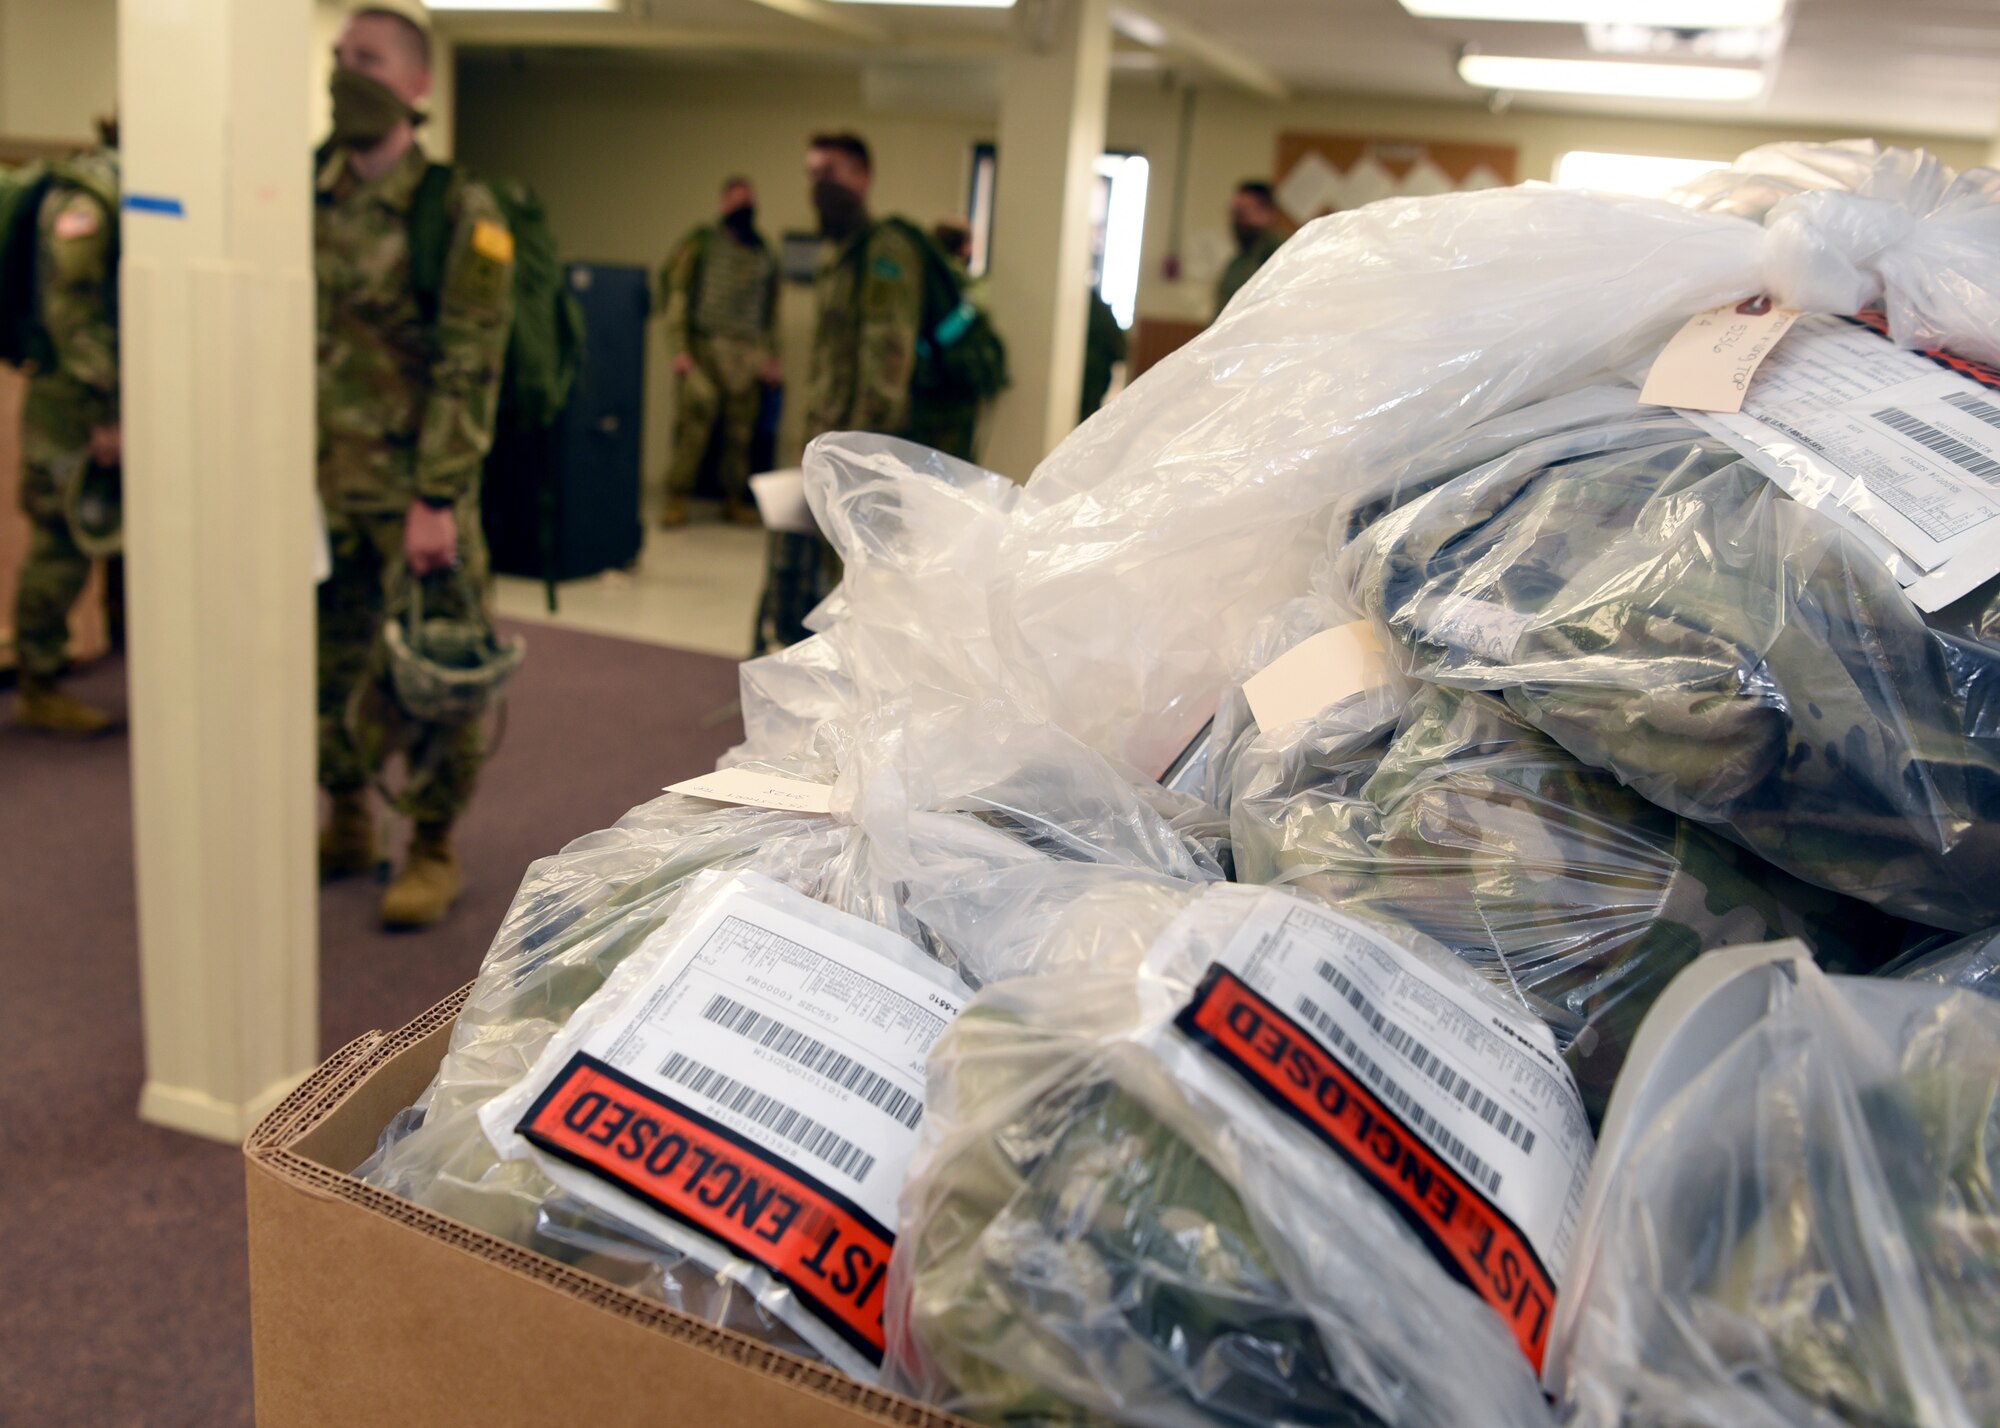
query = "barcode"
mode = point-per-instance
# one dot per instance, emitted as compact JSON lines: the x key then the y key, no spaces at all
{"x":1949,"y":447}
{"x":774,"y":1115}
{"x":1382,"y":1081}
{"x":815,"y":1055}
{"x":1974,"y":406}
{"x":1428,"y":1062}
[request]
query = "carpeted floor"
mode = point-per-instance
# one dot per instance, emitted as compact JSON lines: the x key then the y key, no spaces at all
{"x":124,"y":1294}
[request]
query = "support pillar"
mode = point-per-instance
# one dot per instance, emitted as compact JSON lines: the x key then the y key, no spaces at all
{"x":1054,"y":84}
{"x":217,"y":336}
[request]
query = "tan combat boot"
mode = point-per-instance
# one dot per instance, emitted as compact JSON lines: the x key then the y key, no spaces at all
{"x":429,"y":883}
{"x":741,"y":513}
{"x":676,"y":514}
{"x":42,"y":706}
{"x":347,"y":843}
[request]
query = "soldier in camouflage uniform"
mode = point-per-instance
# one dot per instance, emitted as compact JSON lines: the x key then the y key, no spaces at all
{"x":71,"y":417}
{"x":407,"y":401}
{"x":1253,"y":221}
{"x":720,"y":295}
{"x":871,"y":301}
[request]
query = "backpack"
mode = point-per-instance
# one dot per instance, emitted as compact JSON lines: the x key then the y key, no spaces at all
{"x":545,"y":346}
{"x":960,"y":356}
{"x":23,"y":341}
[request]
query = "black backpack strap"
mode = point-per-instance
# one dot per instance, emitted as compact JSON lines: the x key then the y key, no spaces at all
{"x":430,"y":236}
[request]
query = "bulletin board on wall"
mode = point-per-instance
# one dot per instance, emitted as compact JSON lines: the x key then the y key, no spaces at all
{"x":1319,"y":174}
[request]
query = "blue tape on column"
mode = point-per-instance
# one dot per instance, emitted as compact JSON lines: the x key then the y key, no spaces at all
{"x":154,"y":203}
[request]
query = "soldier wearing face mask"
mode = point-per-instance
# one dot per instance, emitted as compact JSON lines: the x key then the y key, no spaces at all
{"x":409,"y":387}
{"x":1254,"y":223}
{"x":720,"y":294}
{"x":871,"y":300}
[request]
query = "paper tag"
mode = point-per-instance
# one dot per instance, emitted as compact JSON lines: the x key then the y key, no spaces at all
{"x":1900,"y":447}
{"x":763,"y":1087}
{"x":1316,"y":674}
{"x":781,"y":502}
{"x":1708,"y":364}
{"x":1463,"y":1118}
{"x":759,"y":790}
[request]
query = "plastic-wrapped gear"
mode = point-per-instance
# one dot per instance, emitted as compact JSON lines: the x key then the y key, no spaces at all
{"x":1563,"y":886}
{"x":1657,"y":607}
{"x":1098,"y":1227}
{"x":1805,"y":1230}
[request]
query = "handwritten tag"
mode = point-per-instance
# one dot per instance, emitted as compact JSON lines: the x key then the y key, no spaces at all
{"x":1317,"y":673}
{"x":753,"y":789}
{"x":1708,"y":365}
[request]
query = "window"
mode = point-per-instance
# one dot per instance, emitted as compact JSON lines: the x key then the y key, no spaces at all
{"x":979,"y":207}
{"x":1645,"y":174}
{"x":1118,"y":215}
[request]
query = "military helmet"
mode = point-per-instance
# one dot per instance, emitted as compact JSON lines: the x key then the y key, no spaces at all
{"x":93,"y":504}
{"x":448,"y":671}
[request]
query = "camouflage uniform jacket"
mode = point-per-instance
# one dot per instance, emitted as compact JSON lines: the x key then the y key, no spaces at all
{"x":76,"y":273}
{"x":715,"y":285}
{"x":871,"y":300}
{"x":1243,"y":267}
{"x":407,"y":399}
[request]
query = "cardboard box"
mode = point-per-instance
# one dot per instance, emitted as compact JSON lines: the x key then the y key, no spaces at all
{"x":367,"y":1309}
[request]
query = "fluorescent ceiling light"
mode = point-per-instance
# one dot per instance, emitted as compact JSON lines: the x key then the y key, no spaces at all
{"x":1610,"y":77}
{"x":1646,"y":174}
{"x":1667,"y":14}
{"x":602,"y":7}
{"x":939,"y":4}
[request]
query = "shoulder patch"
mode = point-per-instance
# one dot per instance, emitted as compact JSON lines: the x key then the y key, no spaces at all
{"x":490,"y":240}
{"x":888,"y":269}
{"x":77,"y":220}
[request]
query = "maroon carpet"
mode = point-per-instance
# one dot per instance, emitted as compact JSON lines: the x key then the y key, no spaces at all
{"x":124,"y":1294}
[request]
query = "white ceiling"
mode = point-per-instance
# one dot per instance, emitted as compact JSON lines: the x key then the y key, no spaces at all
{"x":1875,"y":66}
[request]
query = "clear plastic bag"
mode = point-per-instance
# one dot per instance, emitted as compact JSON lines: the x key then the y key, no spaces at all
{"x":1651,"y":602}
{"x":1151,"y":542}
{"x":988,"y":812}
{"x":1970,"y":962}
{"x":1103,"y":1223}
{"x":1803,"y":1229}
{"x":1568,"y":890}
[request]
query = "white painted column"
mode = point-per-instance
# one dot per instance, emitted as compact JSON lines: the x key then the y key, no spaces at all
{"x":217,"y":345}
{"x":1054,"y":84}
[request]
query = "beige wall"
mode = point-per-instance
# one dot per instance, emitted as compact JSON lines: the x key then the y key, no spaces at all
{"x":628,"y":158}
{"x":58,"y":67}
{"x":1236,"y":137}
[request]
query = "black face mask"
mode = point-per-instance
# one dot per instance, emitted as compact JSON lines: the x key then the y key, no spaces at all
{"x":742,"y":221}
{"x":1246,"y":234}
{"x":841,"y":212}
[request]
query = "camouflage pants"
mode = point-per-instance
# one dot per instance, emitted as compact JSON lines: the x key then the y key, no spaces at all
{"x":799,"y":572}
{"x":360,"y":726}
{"x":718,"y":399}
{"x":54,"y":572}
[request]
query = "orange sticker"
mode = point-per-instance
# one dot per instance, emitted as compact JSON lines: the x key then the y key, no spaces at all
{"x":832,"y":1253}
{"x":1470,"y":1236}
{"x":490,"y":240}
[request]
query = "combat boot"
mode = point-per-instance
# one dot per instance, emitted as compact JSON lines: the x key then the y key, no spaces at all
{"x":42,"y":706}
{"x":347,"y":843}
{"x":429,"y":883}
{"x":676,"y":514}
{"x":741,"y":513}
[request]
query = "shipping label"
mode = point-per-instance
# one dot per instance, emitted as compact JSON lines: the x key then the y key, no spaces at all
{"x":1462,"y":1116}
{"x":764,"y":1087}
{"x":1901,"y":448}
